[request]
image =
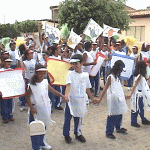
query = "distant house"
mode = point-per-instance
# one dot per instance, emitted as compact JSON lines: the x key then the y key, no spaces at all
{"x":140,"y":25}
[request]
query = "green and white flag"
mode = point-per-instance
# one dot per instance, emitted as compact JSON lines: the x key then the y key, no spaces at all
{"x":93,"y":30}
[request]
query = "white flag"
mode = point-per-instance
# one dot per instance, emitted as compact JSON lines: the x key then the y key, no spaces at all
{"x":93,"y":30}
{"x":73,"y":39}
{"x":109,"y":31}
{"x":53,"y":33}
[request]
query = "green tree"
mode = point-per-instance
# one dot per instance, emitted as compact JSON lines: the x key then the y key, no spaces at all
{"x":77,"y":13}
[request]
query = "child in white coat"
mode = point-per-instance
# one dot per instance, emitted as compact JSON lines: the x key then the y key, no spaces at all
{"x":38,"y":100}
{"x":115,"y":100}
{"x":77,"y":85}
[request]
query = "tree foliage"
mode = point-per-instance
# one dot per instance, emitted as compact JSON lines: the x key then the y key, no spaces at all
{"x":77,"y":13}
{"x":14,"y":30}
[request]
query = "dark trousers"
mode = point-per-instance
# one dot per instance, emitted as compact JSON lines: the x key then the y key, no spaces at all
{"x":130,"y":81}
{"x":6,"y":109}
{"x":103,"y":70}
{"x":37,"y":140}
{"x":113,"y":121}
{"x":22,"y":98}
{"x":140,"y":111}
{"x":77,"y":123}
{"x":95,"y":82}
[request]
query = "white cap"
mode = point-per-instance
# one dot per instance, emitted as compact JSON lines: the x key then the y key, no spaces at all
{"x":74,"y":60}
{"x":8,"y":60}
{"x":42,"y":69}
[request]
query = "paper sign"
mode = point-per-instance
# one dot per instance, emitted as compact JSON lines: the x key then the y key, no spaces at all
{"x":58,"y":70}
{"x":128,"y":61}
{"x":12,"y":83}
{"x":109,"y":31}
{"x":93,"y":29}
{"x":73,"y":39}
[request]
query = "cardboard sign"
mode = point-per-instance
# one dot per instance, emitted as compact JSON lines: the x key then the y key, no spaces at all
{"x":12,"y":83}
{"x":57,"y":70}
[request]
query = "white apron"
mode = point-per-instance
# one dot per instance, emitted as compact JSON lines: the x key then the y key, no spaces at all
{"x":42,"y":101}
{"x":77,"y":96}
{"x":116,"y":102}
{"x":144,"y":92}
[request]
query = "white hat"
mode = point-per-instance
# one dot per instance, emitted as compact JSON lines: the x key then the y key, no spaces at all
{"x":10,"y":60}
{"x":74,"y":60}
{"x":42,"y":69}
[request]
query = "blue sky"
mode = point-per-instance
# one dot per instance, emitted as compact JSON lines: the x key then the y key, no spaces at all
{"x":32,"y":9}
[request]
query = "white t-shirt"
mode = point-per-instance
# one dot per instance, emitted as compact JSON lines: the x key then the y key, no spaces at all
{"x":79,"y":82}
{"x":89,"y":60}
{"x":58,"y":57}
{"x":93,"y":53}
{"x":105,"y":53}
{"x":77,"y":52}
{"x":145,"y":54}
{"x":14,"y":55}
{"x":133,"y":55}
{"x":29,"y":68}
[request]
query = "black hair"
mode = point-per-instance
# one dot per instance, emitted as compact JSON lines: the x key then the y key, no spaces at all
{"x":46,"y":52}
{"x":77,"y":56}
{"x":143,"y":48}
{"x":34,"y":78}
{"x":53,"y":49}
{"x":25,"y":55}
{"x":118,"y":66}
{"x":122,"y":42}
{"x":22,"y":48}
{"x":87,"y":45}
{"x":140,"y":68}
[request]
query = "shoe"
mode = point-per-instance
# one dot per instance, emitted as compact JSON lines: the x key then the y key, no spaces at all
{"x":81,"y":138}
{"x":11,"y":119}
{"x":21,"y":109}
{"x":46,"y":147}
{"x":146,"y":122}
{"x":101,"y":88}
{"x":135,"y":125}
{"x":122,"y":130}
{"x":68,"y":139}
{"x":5,"y":120}
{"x":59,"y":108}
{"x":110,"y":136}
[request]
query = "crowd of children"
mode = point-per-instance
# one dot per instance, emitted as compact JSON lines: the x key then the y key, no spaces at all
{"x":43,"y":98}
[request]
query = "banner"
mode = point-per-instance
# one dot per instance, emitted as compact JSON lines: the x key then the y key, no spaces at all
{"x":73,"y":39}
{"x":99,"y":59}
{"x":127,"y":60}
{"x":109,"y":31}
{"x":93,"y":30}
{"x":57,"y":70}
{"x":12,"y":83}
{"x":53,"y":33}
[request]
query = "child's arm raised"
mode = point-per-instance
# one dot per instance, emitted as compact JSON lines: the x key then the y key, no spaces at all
{"x":94,"y":101}
{"x":28,"y":95}
{"x":105,"y":89}
{"x":55,"y":92}
{"x":135,"y":85}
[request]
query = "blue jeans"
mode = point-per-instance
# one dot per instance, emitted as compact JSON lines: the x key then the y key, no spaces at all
{"x":103,"y":70}
{"x":55,"y":99}
{"x":95,"y":82}
{"x":6,"y":109}
{"x":140,"y":111}
{"x":113,"y":121}
{"x":77,"y":123}
{"x":13,"y":66}
{"x":22,"y":98}
{"x":130,"y":81}
{"x":37,"y":140}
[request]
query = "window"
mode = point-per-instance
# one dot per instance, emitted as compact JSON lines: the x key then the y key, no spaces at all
{"x":138,"y":32}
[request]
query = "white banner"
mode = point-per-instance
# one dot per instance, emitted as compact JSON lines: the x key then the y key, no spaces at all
{"x":12,"y":83}
{"x":109,"y":31}
{"x":93,"y":30}
{"x":73,"y":39}
{"x":53,"y":33}
{"x":128,"y":61}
